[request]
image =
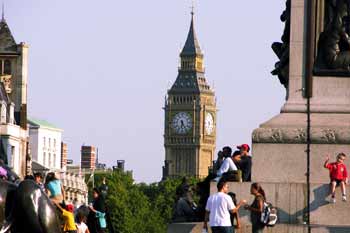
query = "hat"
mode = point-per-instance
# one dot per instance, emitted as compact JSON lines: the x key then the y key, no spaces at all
{"x":70,"y":208}
{"x":244,"y":147}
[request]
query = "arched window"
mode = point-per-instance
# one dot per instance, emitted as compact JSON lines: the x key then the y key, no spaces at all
{"x":7,"y":67}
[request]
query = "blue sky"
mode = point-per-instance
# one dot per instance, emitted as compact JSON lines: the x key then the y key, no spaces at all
{"x":100,"y":69}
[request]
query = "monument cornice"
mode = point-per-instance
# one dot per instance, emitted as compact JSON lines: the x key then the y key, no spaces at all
{"x":319,"y":135}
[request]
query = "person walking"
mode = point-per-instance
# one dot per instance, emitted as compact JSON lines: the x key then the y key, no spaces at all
{"x":256,"y":208}
{"x":218,"y":209}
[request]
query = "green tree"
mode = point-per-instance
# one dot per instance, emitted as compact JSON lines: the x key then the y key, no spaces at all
{"x":142,"y":208}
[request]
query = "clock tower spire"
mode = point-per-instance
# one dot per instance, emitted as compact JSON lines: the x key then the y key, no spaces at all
{"x":190,"y":116}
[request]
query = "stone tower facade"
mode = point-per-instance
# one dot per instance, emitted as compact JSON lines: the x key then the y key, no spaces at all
{"x":14,"y":72}
{"x":190,"y":116}
{"x":13,"y":101}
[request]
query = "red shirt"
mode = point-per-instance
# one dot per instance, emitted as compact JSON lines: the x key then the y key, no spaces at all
{"x":337,"y":171}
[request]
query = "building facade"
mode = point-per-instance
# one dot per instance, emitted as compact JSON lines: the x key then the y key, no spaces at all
{"x":190,"y":116}
{"x":76,"y":190}
{"x":88,"y":157}
{"x":45,"y":143}
{"x":13,"y":100}
{"x":64,"y":155}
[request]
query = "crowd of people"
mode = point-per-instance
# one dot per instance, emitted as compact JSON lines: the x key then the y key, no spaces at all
{"x":230,"y":164}
{"x":222,"y":208}
{"x":76,"y":219}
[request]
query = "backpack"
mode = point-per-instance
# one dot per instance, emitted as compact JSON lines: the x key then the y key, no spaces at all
{"x":269,"y":215}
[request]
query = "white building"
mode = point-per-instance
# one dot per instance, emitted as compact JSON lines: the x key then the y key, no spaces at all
{"x":45,"y":143}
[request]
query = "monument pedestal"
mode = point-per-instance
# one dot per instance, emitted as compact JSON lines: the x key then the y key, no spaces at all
{"x":279,"y":145}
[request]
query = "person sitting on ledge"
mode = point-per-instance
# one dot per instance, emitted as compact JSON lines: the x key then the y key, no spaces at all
{"x":245,"y":163}
{"x":218,"y":162}
{"x":338,"y":175}
{"x":228,"y":165}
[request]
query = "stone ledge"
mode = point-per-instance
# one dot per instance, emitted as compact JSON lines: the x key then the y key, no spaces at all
{"x":298,"y":135}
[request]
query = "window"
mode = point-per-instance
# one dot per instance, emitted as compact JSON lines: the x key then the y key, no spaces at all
{"x":44,"y":159}
{"x":7,"y":67}
{"x":49,"y":142}
{"x":44,"y":140}
{"x":50,"y":161}
{"x":54,"y":160}
{"x":54,"y":143}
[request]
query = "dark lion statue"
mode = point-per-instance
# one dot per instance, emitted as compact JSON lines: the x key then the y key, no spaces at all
{"x":25,"y":208}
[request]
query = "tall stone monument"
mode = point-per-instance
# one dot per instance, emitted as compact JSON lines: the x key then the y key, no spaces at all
{"x":314,"y":61}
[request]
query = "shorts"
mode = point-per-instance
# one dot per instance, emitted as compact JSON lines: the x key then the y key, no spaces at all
{"x":337,"y":181}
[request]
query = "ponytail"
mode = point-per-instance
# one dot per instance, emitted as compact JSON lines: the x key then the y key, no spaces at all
{"x":260,"y":190}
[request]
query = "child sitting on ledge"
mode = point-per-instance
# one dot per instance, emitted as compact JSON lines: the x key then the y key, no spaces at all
{"x":338,"y":175}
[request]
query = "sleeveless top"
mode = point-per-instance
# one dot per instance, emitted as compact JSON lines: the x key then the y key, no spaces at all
{"x":254,"y":216}
{"x":55,"y":188}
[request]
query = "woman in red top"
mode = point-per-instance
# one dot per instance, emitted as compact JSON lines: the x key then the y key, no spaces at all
{"x":338,"y":175}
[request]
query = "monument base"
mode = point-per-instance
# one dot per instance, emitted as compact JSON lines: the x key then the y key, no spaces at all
{"x":290,"y":200}
{"x":279,"y":146}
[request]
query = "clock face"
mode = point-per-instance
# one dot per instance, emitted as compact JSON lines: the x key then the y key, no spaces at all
{"x":182,"y":123}
{"x":209,"y":123}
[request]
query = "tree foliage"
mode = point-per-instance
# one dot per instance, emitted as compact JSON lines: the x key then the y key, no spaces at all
{"x":142,"y":208}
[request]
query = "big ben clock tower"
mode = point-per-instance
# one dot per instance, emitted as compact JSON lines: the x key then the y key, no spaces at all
{"x":190,"y":116}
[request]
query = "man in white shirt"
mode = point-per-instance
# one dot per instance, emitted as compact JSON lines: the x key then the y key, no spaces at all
{"x":228,"y":164}
{"x":218,"y":208}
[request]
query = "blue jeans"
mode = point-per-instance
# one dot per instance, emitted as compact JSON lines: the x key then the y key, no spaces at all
{"x":222,"y":229}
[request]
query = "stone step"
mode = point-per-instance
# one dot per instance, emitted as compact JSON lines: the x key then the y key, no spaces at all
{"x":279,"y":228}
{"x":290,"y":199}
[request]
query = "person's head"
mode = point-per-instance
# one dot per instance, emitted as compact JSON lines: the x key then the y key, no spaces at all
{"x":222,"y":186}
{"x":50,"y":177}
{"x":70,"y":208}
{"x":244,"y":149}
{"x":81,"y":217}
{"x":95,"y":193}
{"x":236,"y":156}
{"x":29,"y":177}
{"x":341,"y":157}
{"x":256,"y":189}
{"x":38,"y":177}
{"x":226,"y":151}
{"x":233,"y":196}
{"x":220,"y":154}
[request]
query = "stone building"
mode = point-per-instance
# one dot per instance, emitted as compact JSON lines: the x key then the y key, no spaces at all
{"x":64,"y":155}
{"x":190,"y":116}
{"x":13,"y":100}
{"x":76,"y":190}
{"x":88,"y":157}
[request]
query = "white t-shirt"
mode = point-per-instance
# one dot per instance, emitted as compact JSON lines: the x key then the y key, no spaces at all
{"x":219,"y":206}
{"x":82,"y":227}
{"x":227,"y":165}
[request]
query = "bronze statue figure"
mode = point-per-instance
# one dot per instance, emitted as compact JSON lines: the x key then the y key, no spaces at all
{"x":333,"y":56}
{"x":282,"y":49}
